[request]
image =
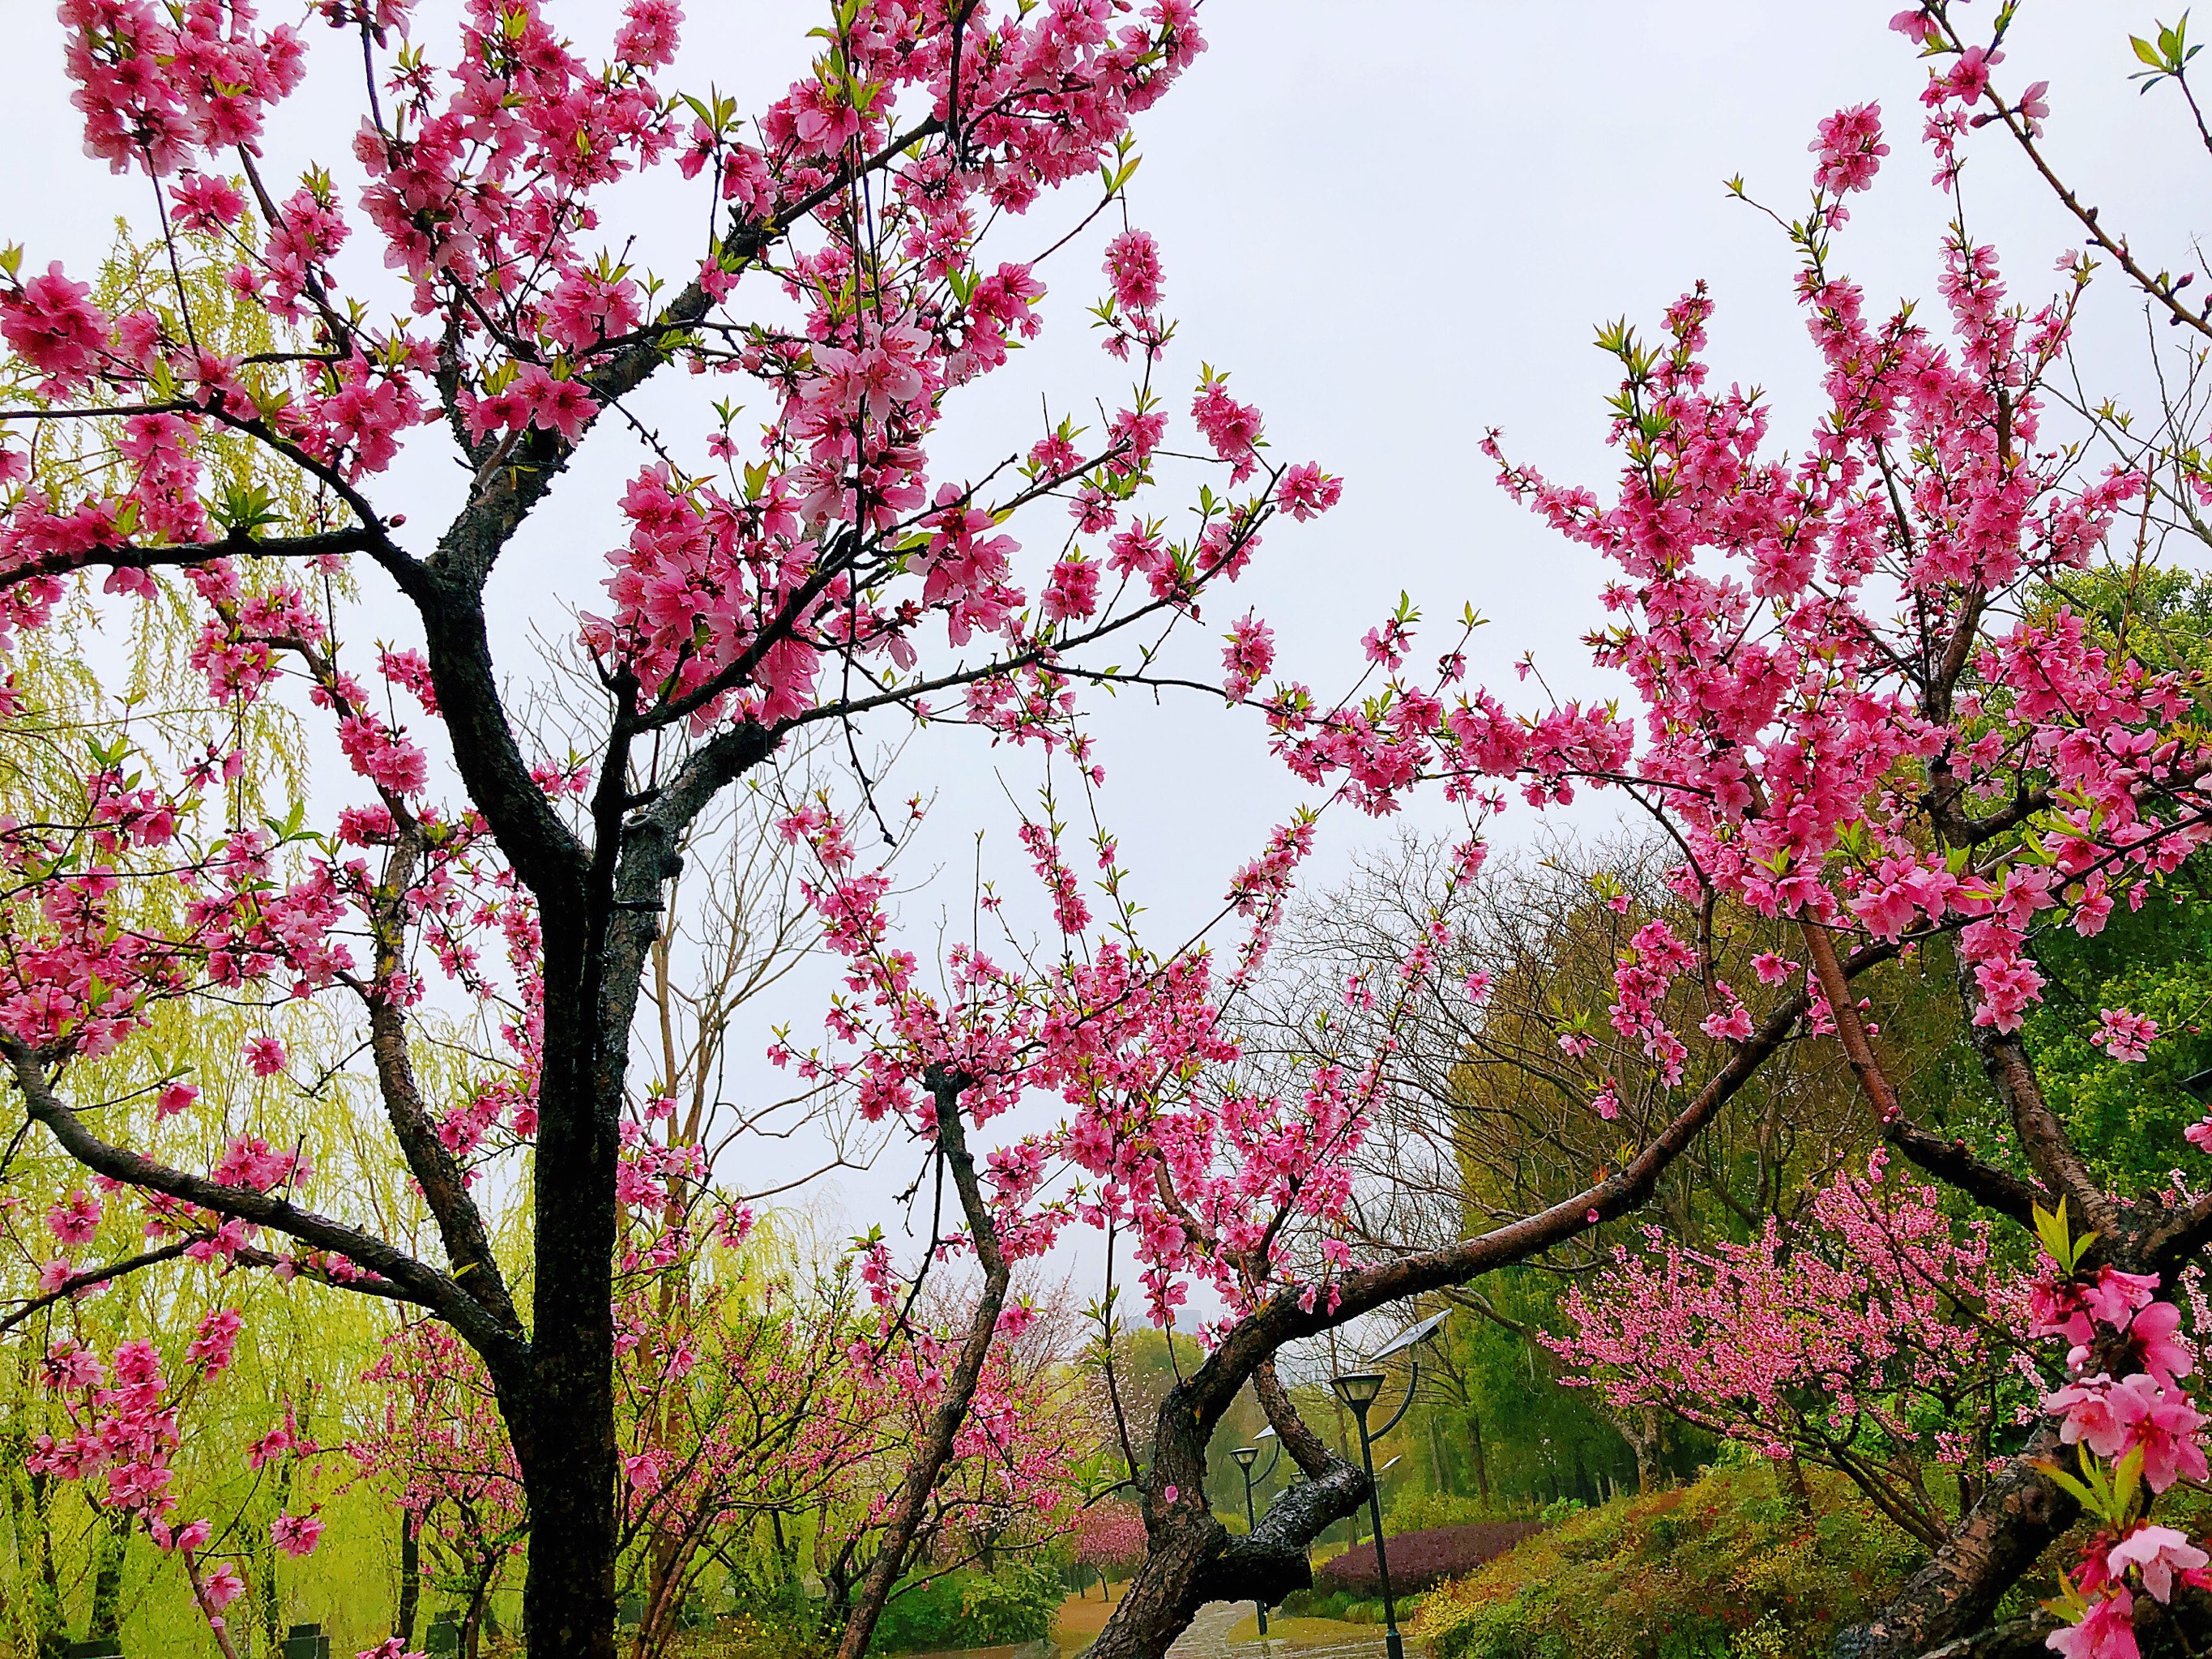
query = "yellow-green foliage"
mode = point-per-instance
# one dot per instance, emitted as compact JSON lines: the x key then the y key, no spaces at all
{"x":306,"y":1348}
{"x":303,"y":1346}
{"x":1730,"y":1568}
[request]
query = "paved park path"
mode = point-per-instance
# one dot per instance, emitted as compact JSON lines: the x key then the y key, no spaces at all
{"x":1208,"y":1638}
{"x":1208,"y":1635}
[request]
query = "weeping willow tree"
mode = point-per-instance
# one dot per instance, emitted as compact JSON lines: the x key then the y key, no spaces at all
{"x":69,"y":1567}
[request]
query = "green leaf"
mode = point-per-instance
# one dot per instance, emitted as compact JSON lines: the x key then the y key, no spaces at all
{"x":2052,"y":1230}
{"x":2127,"y":1484}
{"x":2082,"y":1495}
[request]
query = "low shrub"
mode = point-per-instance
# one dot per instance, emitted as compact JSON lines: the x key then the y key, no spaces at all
{"x":1419,"y":1559}
{"x":1343,"y":1606}
{"x":970,"y":1609}
{"x":1728,"y":1568}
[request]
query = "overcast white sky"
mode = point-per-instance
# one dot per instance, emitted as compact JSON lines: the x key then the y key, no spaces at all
{"x":1397,"y":222}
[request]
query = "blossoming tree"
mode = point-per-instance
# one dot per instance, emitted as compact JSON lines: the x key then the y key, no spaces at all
{"x":1869,"y":1339}
{"x":1865,"y":711}
{"x":1868,"y":707}
{"x":796,"y":581}
{"x":817,"y":576}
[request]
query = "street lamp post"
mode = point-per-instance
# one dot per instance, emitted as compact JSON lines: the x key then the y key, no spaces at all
{"x":1246,"y":1456}
{"x":1360,"y":1390}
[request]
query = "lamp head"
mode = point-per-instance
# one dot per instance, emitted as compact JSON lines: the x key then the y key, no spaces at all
{"x":1414,"y":1336}
{"x":2200,"y":1085}
{"x":1246,"y":1456}
{"x":1358,"y":1389}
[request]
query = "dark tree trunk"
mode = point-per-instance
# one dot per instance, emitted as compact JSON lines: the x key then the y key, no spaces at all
{"x":1195,"y":1559}
{"x":1954,"y":1594}
{"x":112,"y":1536}
{"x":594,"y":965}
{"x":1482,"y":1462}
{"x":564,"y":1422}
{"x":410,"y":1578}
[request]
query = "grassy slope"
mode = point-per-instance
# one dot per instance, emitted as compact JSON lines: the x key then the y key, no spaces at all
{"x":1728,"y":1568}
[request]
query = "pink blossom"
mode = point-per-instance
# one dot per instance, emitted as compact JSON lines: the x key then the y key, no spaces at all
{"x":215,"y":1339}
{"x":271,"y":1446}
{"x":223,"y":1587}
{"x":1915,"y":24}
{"x":2090,"y":1419}
{"x":1133,"y":261}
{"x":2106,"y":1631}
{"x":1969,"y":76}
{"x":1072,"y":595}
{"x":2110,"y":1418}
{"x":295,"y":1535}
{"x":74,"y":1220}
{"x":1249,"y":658}
{"x":1851,"y":149}
{"x":2156,"y":1332}
{"x":205,"y":202}
{"x":2114,"y":1295}
{"x":2158,"y":1552}
{"x":1306,"y":490}
{"x":52,"y":325}
{"x":189,"y":1538}
{"x":2123,"y":1036}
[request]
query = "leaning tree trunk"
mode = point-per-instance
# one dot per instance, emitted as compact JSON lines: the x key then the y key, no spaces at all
{"x":1952,"y":1597}
{"x":902,"y":1521}
{"x":1195,"y":1559}
{"x":1190,"y":1557}
{"x":1641,"y":1428}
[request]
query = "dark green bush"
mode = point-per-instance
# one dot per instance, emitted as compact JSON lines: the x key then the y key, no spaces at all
{"x":1014,"y":1603}
{"x":1347,"y":1606}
